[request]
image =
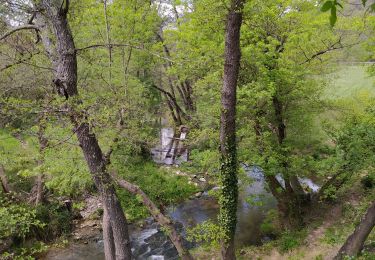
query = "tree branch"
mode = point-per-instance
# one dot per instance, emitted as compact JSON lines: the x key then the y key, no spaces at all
{"x":120,"y":128}
{"x":335,"y":46}
{"x":173,"y":100}
{"x":24,"y":27}
{"x":123,"y":45}
{"x":156,"y":213}
{"x":66,"y":8}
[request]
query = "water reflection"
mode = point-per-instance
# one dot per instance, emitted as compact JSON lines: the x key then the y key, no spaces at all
{"x":250,"y":213}
{"x":150,"y":243}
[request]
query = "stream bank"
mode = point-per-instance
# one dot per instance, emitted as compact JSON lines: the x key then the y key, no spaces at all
{"x":149,"y":242}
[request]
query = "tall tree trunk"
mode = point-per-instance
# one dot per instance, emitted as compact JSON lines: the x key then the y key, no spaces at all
{"x":97,"y":166}
{"x":64,"y":60}
{"x":354,"y":244}
{"x":109,"y":243}
{"x":289,"y":215}
{"x":290,"y":201}
{"x":229,"y":165}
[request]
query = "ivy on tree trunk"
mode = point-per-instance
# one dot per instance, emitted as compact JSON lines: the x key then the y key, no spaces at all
{"x":229,"y":165}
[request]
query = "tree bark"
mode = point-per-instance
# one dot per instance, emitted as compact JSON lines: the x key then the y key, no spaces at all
{"x":109,"y":243}
{"x":39,"y":189}
{"x":43,"y":143}
{"x":296,"y":185}
{"x":229,"y":165}
{"x":156,"y":213}
{"x":97,"y":165}
{"x":354,"y":244}
{"x":290,"y":201}
{"x":4,"y":180}
{"x":64,"y":60}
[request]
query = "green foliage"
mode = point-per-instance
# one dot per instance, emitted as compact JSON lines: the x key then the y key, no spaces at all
{"x":350,"y":82}
{"x":291,"y":240}
{"x":275,"y":69}
{"x":368,"y":181}
{"x":25,"y":253}
{"x":284,"y":57}
{"x":161,"y":187}
{"x":17,"y":220}
{"x":270,"y":224}
{"x":202,"y":161}
{"x":15,"y":157}
{"x":228,"y":181}
{"x":355,"y":139}
{"x":57,"y":219}
{"x":208,"y":233}
{"x":334,"y":236}
{"x":331,"y":5}
{"x":330,"y":194}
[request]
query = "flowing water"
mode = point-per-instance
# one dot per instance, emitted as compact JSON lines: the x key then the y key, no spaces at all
{"x":150,"y":243}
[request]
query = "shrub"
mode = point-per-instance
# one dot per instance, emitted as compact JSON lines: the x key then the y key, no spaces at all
{"x":160,"y":186}
{"x":57,"y":218}
{"x":290,"y":240}
{"x":17,"y":220}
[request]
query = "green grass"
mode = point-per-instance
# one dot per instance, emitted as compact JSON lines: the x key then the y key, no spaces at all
{"x":350,"y":81}
{"x":162,"y":187}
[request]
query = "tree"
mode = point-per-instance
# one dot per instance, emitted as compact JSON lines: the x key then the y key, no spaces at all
{"x":53,"y":21}
{"x":158,"y":215}
{"x":279,"y":100}
{"x":354,"y":244}
{"x":228,"y":147}
{"x":52,"y":25}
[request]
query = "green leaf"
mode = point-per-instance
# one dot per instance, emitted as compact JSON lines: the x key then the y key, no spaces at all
{"x":372,"y":7}
{"x":364,"y":2}
{"x":337,"y":3}
{"x":333,"y":17}
{"x":327,"y":6}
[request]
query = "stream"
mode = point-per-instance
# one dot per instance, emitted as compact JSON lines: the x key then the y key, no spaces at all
{"x":149,"y":242}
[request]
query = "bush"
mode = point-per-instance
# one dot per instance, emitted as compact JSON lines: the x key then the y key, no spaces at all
{"x":368,"y":181}
{"x":334,"y":236}
{"x":290,"y":240}
{"x":206,"y":232}
{"x":161,"y":187}
{"x":57,"y":218}
{"x":17,"y":220}
{"x":270,"y":226}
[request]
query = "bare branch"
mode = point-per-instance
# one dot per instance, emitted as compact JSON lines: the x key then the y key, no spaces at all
{"x":108,"y":30}
{"x":120,"y":128}
{"x":335,"y":46}
{"x":123,"y":45}
{"x":24,"y":27}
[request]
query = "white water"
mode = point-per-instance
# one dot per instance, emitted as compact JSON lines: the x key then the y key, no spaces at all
{"x":165,"y":153}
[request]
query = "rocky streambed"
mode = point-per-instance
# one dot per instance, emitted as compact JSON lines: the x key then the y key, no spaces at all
{"x":149,"y":242}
